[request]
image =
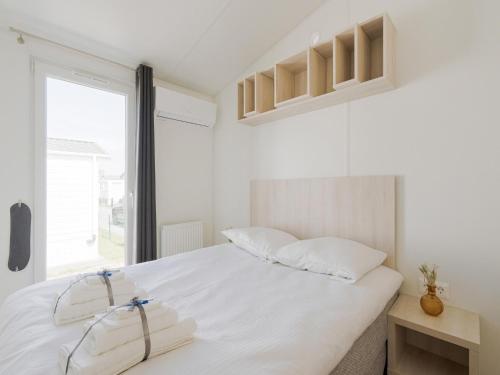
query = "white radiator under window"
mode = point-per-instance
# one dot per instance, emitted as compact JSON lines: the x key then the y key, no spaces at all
{"x":178,"y":238}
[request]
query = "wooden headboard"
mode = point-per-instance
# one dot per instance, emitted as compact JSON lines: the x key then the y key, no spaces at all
{"x":357,"y":208}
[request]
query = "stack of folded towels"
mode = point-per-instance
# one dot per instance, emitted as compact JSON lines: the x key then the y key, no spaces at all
{"x":116,"y":342}
{"x":89,"y":296}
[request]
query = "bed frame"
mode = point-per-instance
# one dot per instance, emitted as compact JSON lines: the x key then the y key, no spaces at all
{"x":358,"y":208}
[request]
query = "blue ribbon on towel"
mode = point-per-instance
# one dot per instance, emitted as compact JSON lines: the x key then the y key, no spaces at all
{"x":134,"y":303}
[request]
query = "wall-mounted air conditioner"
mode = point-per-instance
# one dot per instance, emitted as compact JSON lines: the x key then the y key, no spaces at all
{"x":176,"y":106}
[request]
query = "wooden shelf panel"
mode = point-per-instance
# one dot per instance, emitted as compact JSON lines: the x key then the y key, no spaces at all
{"x":296,"y":99}
{"x":249,"y":95}
{"x":241,"y":110}
{"x":308,"y":104}
{"x":415,"y":361}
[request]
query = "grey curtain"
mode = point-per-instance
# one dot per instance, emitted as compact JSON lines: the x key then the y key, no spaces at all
{"x":146,"y":193}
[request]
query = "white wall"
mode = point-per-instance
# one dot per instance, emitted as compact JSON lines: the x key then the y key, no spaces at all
{"x":183,"y":158}
{"x":438,"y":131}
{"x":17,"y":134}
{"x":16,"y":153}
{"x":183,"y":175}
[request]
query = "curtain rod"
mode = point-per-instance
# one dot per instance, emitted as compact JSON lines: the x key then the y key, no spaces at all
{"x":34,"y":36}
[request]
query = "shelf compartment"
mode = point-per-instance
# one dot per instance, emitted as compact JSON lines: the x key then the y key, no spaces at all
{"x":344,"y":53}
{"x":291,"y":83}
{"x":423,"y":354}
{"x":249,"y":95}
{"x":376,"y":48}
{"x":241,"y":111}
{"x":371,"y":48}
{"x":264,"y":86}
{"x":415,"y":361}
{"x":321,"y":69}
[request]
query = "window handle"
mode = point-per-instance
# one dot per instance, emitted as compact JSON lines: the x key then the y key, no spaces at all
{"x":131,"y":199}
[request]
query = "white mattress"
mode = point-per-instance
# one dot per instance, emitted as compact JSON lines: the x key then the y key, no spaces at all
{"x":253,"y":317}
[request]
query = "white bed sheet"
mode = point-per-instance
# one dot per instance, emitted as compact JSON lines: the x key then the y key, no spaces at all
{"x":253,"y":317}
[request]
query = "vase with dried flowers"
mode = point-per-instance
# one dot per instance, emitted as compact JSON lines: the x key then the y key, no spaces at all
{"x":429,"y":302}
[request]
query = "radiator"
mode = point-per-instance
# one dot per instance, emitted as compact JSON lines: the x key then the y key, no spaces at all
{"x":178,"y":238}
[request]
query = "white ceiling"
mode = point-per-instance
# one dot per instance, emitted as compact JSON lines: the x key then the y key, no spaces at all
{"x":200,"y":44}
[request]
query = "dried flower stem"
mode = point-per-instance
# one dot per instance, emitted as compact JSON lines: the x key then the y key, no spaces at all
{"x":430,"y":275}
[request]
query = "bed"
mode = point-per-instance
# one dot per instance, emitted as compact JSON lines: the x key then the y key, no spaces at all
{"x":253,"y":317}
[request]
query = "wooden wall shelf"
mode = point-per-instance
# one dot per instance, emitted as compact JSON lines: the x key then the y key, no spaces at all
{"x":356,"y":63}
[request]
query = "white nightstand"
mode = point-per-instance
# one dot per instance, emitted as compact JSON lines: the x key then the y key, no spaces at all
{"x":423,"y":344}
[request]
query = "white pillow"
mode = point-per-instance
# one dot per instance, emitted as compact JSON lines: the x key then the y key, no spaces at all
{"x":344,"y":259}
{"x":259,"y":241}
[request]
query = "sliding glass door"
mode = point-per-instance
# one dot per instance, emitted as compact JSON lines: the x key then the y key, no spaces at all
{"x":85,"y":172}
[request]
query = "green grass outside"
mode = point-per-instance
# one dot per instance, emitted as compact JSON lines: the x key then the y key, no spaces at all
{"x":111,"y":249}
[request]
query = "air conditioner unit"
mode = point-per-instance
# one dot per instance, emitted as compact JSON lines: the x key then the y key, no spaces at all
{"x":176,"y":106}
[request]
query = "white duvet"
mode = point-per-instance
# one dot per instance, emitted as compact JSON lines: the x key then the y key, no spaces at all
{"x":253,"y":317}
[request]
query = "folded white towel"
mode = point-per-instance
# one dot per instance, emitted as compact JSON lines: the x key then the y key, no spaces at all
{"x":125,"y":356}
{"x":83,"y":292}
{"x":102,"y":339}
{"x":112,"y":324}
{"x":116,"y":275}
{"x":68,"y":313}
{"x":127,"y":314}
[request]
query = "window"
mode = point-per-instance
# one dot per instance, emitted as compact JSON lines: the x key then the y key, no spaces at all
{"x":85,"y":182}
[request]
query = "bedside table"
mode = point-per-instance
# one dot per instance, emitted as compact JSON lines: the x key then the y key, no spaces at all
{"x":423,"y":344}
